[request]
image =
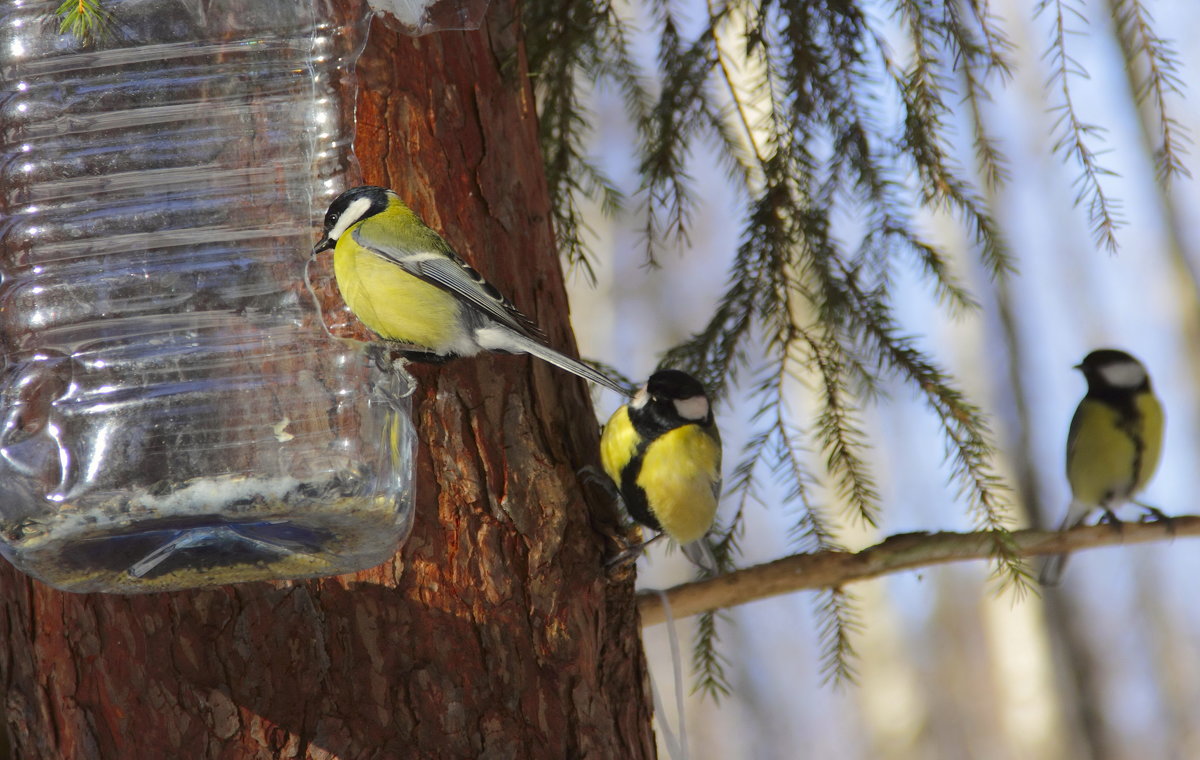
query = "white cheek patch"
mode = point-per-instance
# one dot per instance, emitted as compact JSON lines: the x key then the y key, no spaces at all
{"x":694,"y":408}
{"x":640,"y":399}
{"x":1123,"y":375}
{"x":351,"y":215}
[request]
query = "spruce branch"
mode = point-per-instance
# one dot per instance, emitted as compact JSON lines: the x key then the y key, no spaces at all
{"x":1074,"y":135}
{"x":908,"y":551}
{"x":963,"y":424}
{"x":842,"y":441}
{"x":993,"y":46}
{"x":841,"y":437}
{"x":842,"y":623}
{"x":576,"y":44}
{"x":709,"y":664}
{"x":798,"y":99}
{"x":1159,"y":66}
{"x":672,"y":126}
{"x":933,"y":261}
{"x":86,"y":20}
{"x":745,"y":128}
{"x":707,"y":661}
{"x":988,"y":49}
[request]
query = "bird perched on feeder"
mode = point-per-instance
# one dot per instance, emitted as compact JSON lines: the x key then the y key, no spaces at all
{"x":406,"y":284}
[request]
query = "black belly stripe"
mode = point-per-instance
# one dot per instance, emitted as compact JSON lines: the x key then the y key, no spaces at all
{"x":634,"y":495}
{"x":1139,"y":451}
{"x":650,"y":423}
{"x":1130,"y":422}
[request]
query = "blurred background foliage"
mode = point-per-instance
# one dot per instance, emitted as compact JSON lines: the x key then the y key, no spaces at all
{"x":883,"y":231}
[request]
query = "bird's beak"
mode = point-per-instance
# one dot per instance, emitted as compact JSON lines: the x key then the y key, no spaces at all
{"x":324,"y":245}
{"x":1078,"y":367}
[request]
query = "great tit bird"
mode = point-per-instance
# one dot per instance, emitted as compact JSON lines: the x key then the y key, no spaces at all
{"x":663,"y":452}
{"x":1113,"y":444}
{"x":406,"y":284}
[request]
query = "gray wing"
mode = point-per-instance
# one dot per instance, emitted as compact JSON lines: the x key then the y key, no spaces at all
{"x":431,"y":259}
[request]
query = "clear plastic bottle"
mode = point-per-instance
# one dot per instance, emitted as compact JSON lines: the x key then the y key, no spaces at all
{"x":172,"y":411}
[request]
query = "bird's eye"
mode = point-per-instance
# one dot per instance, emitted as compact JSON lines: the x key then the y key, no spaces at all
{"x":331,"y":219}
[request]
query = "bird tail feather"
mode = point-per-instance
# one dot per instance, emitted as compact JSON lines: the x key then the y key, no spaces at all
{"x":1052,"y":570}
{"x":701,"y":555}
{"x":502,"y":339}
{"x":1054,"y":565}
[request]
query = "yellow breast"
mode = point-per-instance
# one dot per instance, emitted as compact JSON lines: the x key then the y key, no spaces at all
{"x":618,"y":444}
{"x":1153,"y":425}
{"x":393,"y":303}
{"x":680,"y":472}
{"x":1103,"y":454}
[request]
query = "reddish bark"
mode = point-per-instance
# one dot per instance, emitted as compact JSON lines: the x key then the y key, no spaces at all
{"x":494,"y":633}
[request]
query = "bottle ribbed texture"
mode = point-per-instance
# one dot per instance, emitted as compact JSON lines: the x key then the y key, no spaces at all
{"x":174,"y":413}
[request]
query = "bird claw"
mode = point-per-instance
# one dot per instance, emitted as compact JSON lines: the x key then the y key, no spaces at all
{"x":1154,"y":514}
{"x":380,"y":356}
{"x":1109,"y":517}
{"x":395,"y":384}
{"x":630,"y":553}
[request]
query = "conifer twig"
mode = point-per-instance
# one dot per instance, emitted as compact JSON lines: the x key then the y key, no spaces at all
{"x":905,"y":551}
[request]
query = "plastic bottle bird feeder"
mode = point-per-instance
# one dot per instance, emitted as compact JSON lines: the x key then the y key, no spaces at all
{"x":172,"y":411}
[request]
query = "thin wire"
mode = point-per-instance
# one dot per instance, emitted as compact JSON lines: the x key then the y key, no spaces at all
{"x":677,"y":749}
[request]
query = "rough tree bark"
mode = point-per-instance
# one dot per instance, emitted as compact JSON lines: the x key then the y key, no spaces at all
{"x":494,"y":632}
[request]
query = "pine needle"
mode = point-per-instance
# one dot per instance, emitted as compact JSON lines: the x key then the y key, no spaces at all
{"x":86,"y":20}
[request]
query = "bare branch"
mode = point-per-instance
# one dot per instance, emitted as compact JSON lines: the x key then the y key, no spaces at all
{"x":906,"y":551}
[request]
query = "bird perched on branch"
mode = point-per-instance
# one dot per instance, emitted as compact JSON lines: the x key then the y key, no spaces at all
{"x":408,"y":285}
{"x":1114,"y":442}
{"x":663,"y":452}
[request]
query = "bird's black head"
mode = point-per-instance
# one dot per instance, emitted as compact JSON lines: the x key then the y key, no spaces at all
{"x":350,"y":207}
{"x":669,"y":399}
{"x":674,"y":384}
{"x":1111,"y":371}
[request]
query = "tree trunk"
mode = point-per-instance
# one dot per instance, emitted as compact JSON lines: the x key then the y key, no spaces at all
{"x":494,"y":632}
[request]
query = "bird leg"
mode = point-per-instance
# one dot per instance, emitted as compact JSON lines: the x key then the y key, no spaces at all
{"x":379,"y":355}
{"x":630,"y":553}
{"x":1158,"y":515}
{"x":628,"y":550}
{"x":1109,"y":517}
{"x":394,"y":384}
